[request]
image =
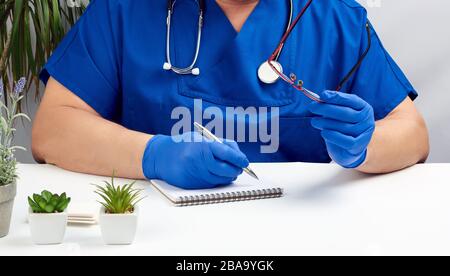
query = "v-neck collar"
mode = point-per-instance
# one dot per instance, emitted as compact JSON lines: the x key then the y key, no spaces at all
{"x":255,"y":42}
{"x":213,"y":4}
{"x":229,"y":60}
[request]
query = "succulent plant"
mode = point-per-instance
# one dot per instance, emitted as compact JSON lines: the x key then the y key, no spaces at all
{"x":47,"y":203}
{"x":118,"y":199}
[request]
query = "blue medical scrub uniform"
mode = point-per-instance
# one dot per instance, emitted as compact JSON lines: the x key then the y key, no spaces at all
{"x":112,"y":59}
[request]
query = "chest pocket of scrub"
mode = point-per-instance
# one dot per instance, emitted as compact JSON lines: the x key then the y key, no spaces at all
{"x":300,"y":142}
{"x":297,"y":141}
{"x":232,"y":79}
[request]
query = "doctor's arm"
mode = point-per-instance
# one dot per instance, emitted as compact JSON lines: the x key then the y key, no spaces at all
{"x":400,"y":140}
{"x":355,"y":140}
{"x":68,"y":133}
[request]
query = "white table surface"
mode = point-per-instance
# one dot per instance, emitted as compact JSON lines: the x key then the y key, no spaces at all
{"x":326,"y":211}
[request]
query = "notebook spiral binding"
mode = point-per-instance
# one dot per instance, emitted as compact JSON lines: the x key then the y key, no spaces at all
{"x":229,"y":197}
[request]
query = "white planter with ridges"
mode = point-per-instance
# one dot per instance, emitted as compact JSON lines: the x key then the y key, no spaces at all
{"x":47,"y":228}
{"x":118,"y":229}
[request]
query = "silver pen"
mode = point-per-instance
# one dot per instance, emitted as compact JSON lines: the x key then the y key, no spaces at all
{"x":205,"y":132}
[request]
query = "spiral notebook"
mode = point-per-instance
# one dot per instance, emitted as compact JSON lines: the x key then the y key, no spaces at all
{"x":245,"y":188}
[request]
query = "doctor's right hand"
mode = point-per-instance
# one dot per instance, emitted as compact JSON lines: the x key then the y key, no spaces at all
{"x":190,"y":161}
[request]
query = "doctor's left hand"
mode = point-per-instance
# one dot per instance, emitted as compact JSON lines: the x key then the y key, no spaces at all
{"x":347,"y":124}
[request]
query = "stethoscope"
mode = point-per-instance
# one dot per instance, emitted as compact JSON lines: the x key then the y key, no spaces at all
{"x":191,"y":69}
{"x":265,"y":72}
{"x":270,"y":70}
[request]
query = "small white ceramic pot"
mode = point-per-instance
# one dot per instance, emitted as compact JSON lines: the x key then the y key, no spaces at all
{"x":118,"y":229}
{"x":47,"y":228}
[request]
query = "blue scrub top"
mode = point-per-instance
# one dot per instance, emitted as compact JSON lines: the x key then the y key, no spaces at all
{"x":112,"y":59}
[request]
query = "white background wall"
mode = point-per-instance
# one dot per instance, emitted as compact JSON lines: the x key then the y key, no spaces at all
{"x":417,"y":34}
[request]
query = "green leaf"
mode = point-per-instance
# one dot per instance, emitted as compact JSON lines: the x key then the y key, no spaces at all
{"x":47,"y":195}
{"x":18,"y":148}
{"x":58,"y":30}
{"x":42,"y":204}
{"x":63,"y":205}
{"x":34,"y":206}
{"x":3,"y":125}
{"x":54,"y":200}
{"x":49,"y":208}
{"x":21,"y":115}
{"x":37,"y":198}
{"x":18,"y":9}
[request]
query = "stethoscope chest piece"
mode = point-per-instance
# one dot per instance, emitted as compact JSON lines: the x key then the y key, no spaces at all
{"x":266,"y":74}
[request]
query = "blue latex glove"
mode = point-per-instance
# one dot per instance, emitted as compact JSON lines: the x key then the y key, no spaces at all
{"x":193,"y":163}
{"x":347,"y":124}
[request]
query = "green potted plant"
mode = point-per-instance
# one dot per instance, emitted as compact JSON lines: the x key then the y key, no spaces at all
{"x":29,"y":32}
{"x":119,"y":212}
{"x":48,"y":217}
{"x":8,"y":175}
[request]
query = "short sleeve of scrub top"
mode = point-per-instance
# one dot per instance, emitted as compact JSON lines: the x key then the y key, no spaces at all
{"x":379,"y":80}
{"x":85,"y":62}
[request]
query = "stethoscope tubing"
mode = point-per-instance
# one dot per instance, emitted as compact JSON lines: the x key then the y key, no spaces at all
{"x":291,"y":17}
{"x":187,"y":70}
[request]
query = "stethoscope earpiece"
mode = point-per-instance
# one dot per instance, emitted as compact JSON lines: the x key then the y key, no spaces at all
{"x":167,"y":66}
{"x":196,"y":71}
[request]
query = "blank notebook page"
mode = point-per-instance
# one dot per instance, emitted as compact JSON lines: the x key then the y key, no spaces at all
{"x":244,"y":188}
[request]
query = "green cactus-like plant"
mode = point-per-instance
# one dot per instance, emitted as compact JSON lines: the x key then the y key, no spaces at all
{"x":48,"y":203}
{"x":118,"y":199}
